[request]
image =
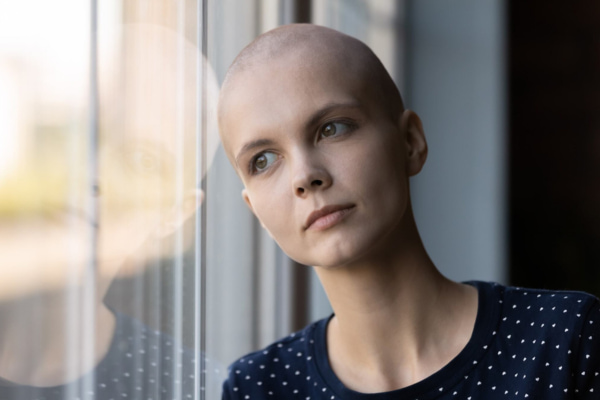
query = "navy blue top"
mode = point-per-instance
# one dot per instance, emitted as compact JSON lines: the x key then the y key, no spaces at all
{"x":141,"y":364}
{"x":526,"y":343}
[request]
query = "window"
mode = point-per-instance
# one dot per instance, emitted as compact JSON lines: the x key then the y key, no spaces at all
{"x":125,"y":248}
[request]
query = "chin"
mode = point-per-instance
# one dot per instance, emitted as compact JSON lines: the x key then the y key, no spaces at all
{"x":367,"y":246}
{"x":336,"y":255}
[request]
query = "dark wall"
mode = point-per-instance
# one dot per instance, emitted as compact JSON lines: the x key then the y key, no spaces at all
{"x":554,"y":111}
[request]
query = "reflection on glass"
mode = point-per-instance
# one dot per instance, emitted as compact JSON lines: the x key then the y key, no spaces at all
{"x":58,"y":337}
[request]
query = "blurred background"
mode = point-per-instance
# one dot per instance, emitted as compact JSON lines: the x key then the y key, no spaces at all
{"x":114,"y":192}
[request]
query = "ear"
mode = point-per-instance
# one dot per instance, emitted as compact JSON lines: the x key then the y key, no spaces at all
{"x":177,"y":216}
{"x":416,"y":145}
{"x":249,"y":204}
{"x":247,"y":200}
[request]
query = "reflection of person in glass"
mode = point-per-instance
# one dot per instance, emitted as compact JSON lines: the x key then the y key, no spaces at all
{"x":52,"y":344}
{"x":325,"y":153}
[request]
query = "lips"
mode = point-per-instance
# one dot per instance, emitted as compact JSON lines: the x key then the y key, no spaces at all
{"x":325,"y":211}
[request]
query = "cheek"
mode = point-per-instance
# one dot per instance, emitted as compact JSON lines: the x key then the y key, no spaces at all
{"x":123,"y":234}
{"x":273,"y":207}
{"x":277,"y":211}
{"x":377,"y":174}
{"x":376,"y":165}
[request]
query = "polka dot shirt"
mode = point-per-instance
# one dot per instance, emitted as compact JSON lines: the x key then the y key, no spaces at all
{"x":526,"y":344}
{"x":141,"y":364}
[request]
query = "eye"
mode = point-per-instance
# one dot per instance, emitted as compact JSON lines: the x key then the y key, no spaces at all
{"x":335,"y":128}
{"x":262,"y":161}
{"x":144,"y":162}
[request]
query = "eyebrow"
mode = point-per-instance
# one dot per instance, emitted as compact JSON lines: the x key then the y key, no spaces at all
{"x":311,"y":122}
{"x":252,"y":145}
{"x":327,"y":109}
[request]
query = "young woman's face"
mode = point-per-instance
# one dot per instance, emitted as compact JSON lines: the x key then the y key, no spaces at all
{"x":304,"y":136}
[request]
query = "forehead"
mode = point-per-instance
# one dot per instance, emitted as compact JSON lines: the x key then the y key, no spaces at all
{"x":283,"y":94}
{"x":142,"y":101}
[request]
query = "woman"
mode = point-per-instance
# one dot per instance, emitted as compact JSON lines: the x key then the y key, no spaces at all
{"x":317,"y":132}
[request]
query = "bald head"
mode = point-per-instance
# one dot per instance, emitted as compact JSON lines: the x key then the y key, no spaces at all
{"x":310,"y":118}
{"x":311,"y":48}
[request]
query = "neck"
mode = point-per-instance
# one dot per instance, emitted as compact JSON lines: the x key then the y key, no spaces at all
{"x":397,"y":319}
{"x":52,"y":339}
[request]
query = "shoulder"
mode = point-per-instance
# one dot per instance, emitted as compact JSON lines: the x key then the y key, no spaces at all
{"x":540,"y":342}
{"x":563,"y":318}
{"x":554,"y":302}
{"x":520,"y":299}
{"x":289,"y":351}
{"x":140,"y":353}
{"x":538,"y":316}
{"x":568,"y":322}
{"x":280,"y":363}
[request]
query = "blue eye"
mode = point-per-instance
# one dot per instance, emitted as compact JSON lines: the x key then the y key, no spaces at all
{"x":334,"y":128}
{"x":262,"y":161}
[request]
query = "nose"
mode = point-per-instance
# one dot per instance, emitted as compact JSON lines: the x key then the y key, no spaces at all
{"x":310,"y":176}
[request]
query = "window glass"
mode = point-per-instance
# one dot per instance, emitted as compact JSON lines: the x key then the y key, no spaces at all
{"x":107,"y":134}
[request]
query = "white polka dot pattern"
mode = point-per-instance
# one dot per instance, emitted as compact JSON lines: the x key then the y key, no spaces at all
{"x":527,"y":344}
{"x":138,"y":366}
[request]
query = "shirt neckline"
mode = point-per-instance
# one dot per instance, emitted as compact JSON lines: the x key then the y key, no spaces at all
{"x":439,"y":382}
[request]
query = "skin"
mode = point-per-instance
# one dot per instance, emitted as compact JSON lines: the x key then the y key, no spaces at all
{"x":397,"y":319}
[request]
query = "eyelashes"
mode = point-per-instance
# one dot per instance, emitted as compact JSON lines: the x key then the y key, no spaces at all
{"x":263,"y":160}
{"x":335,"y":128}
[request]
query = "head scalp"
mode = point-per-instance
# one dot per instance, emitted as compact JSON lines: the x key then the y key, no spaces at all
{"x":295,"y":37}
{"x":319,"y":44}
